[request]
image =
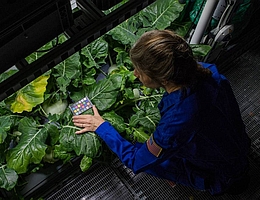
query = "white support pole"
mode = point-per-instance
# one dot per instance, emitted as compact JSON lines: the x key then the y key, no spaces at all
{"x":204,"y":20}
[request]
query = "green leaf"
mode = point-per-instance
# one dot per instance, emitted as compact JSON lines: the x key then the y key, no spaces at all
{"x":30,"y":95}
{"x":116,"y":120}
{"x":69,"y":67}
{"x":140,"y":134}
{"x":53,"y":132}
{"x":129,"y":94}
{"x":122,"y":57}
{"x":89,"y":81}
{"x":8,"y":178}
{"x":161,"y":13}
{"x":200,"y":49}
{"x":89,"y":77}
{"x":36,"y":55}
{"x":147,"y":119}
{"x":104,"y":93}
{"x":7,"y":74}
{"x":62,"y":153}
{"x":63,"y":75}
{"x":126,"y":31}
{"x":95,"y":53}
{"x":5,"y":125}
{"x":49,"y":156}
{"x":85,"y":163}
{"x":4,"y":110}
{"x":181,"y":28}
{"x":84,"y":144}
{"x":31,"y":147}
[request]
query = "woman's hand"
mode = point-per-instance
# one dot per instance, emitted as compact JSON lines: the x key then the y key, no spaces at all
{"x":88,"y":122}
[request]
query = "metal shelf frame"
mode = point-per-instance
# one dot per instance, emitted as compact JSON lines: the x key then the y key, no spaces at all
{"x":79,"y":38}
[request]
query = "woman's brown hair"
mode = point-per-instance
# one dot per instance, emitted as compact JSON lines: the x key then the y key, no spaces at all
{"x":164,"y":56}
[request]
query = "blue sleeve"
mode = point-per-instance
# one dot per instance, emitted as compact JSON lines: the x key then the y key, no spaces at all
{"x":136,"y":157}
{"x":213,"y":68}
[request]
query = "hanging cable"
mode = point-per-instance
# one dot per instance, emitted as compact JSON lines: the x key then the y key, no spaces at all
{"x":47,"y":50}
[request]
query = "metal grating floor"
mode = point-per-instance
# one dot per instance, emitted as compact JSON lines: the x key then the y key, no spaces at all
{"x":118,"y":182}
{"x":245,"y":80}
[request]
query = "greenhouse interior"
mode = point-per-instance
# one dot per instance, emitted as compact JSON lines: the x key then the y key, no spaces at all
{"x":55,"y":52}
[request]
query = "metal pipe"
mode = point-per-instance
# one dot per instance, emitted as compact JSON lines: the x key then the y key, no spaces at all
{"x":204,"y":20}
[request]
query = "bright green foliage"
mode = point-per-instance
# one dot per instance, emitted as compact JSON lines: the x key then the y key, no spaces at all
{"x":95,"y":53}
{"x":104,"y":93}
{"x":84,"y":144}
{"x":5,"y":126}
{"x":116,"y":120}
{"x":8,"y":177}
{"x":31,"y":147}
{"x":66,"y":71}
{"x":161,"y":14}
{"x":85,"y":163}
{"x":33,"y":137}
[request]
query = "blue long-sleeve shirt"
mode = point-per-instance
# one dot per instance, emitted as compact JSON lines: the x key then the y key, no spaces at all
{"x":200,"y":140}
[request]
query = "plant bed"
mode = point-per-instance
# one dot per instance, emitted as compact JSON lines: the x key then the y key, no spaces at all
{"x":36,"y":123}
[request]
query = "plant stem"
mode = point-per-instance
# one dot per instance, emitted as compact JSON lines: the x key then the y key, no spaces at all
{"x":102,"y":72}
{"x":110,"y":59}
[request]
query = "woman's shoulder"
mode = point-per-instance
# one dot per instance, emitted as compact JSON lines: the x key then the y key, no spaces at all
{"x":215,"y":72}
{"x":211,"y":66}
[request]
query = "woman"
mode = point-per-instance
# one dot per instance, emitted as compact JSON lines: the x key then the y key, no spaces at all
{"x":200,"y":140}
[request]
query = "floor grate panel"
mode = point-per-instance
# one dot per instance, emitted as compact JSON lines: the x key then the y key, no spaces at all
{"x":244,"y":77}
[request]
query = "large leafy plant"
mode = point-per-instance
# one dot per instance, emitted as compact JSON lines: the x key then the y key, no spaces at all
{"x":35,"y":123}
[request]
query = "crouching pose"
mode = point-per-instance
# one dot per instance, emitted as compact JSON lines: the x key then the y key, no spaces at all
{"x":200,"y":140}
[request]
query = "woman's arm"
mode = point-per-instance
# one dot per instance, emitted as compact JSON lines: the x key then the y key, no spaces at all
{"x":136,"y":157}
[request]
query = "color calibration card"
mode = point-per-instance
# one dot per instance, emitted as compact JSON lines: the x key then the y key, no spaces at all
{"x":81,"y":106}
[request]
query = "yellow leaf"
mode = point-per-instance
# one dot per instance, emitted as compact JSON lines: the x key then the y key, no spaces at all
{"x":30,"y":96}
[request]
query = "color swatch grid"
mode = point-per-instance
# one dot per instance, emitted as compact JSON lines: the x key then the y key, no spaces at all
{"x":80,"y":106}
